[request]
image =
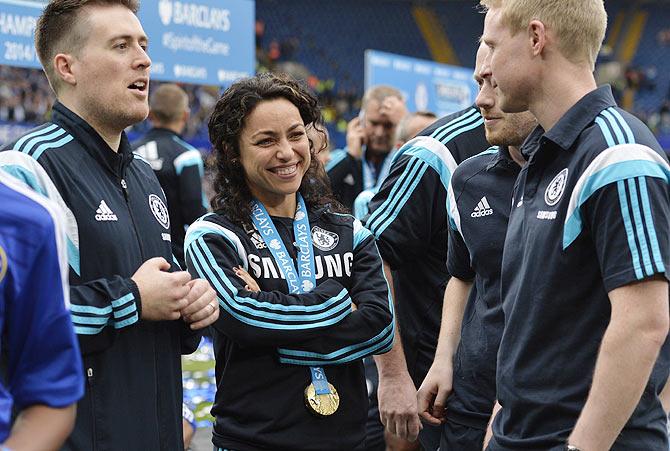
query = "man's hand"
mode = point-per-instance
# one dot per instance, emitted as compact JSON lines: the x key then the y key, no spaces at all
{"x":203,"y":307}
{"x":163,"y":293}
{"x":397,"y":406}
{"x":355,"y":137}
{"x":394,"y":108}
{"x":434,"y":391}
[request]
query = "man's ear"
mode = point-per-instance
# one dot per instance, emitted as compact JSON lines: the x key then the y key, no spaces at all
{"x":537,"y":35}
{"x":63,"y":65}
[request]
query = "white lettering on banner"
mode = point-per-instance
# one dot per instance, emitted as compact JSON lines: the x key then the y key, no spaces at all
{"x":195,"y":43}
{"x":181,"y":70}
{"x":157,"y":68}
{"x":17,"y":25}
{"x":194,"y":15}
{"x":231,"y":75}
{"x":15,"y":51}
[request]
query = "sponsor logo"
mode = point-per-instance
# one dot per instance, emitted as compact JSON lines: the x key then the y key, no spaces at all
{"x":165,"y":11}
{"x":159,"y":210}
{"x":547,"y":215}
{"x":275,"y":244}
{"x":333,"y":265}
{"x":349,"y":180}
{"x":104,"y":213}
{"x":323,"y":239}
{"x":3,"y":264}
{"x":166,"y":237}
{"x":556,"y":187}
{"x":482,"y":209}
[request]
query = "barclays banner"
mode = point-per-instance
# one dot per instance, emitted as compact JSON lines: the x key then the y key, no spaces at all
{"x":426,"y":85}
{"x":208,"y":42}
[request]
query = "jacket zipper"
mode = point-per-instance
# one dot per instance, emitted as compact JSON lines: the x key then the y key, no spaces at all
{"x":124,"y":188}
{"x":89,"y":380}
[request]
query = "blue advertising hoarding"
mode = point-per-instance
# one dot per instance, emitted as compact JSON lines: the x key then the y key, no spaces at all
{"x":208,"y":42}
{"x":17,"y":27}
{"x":426,"y":85}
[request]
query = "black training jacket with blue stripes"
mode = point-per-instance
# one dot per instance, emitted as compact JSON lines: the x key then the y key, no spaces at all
{"x":265,"y":341}
{"x":117,"y":219}
{"x":408,"y":216}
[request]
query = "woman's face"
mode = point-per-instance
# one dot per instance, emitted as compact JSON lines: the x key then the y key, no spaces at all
{"x":274,"y":150}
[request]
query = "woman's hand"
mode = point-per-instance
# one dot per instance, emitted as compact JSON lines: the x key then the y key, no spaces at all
{"x":251,"y":284}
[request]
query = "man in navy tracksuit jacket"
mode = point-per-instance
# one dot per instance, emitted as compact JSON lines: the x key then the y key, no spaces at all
{"x":129,"y":311}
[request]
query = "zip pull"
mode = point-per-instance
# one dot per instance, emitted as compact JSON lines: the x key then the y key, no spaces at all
{"x":89,"y":372}
{"x":124,"y":185}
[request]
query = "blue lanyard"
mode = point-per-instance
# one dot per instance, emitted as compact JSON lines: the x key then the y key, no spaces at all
{"x":369,"y":179}
{"x":302,"y":279}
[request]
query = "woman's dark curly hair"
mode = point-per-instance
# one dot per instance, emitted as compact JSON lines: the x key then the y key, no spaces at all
{"x":232,"y":195}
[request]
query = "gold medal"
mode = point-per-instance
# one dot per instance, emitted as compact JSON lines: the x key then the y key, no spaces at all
{"x":321,"y":405}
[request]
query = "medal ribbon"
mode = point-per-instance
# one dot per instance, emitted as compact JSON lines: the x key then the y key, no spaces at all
{"x":302,"y":279}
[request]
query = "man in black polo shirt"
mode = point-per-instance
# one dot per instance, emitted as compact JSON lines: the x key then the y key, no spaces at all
{"x":462,"y":376}
{"x":408,"y":217}
{"x":584,"y":280}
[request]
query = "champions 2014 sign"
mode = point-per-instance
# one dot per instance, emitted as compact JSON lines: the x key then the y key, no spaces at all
{"x":207,"y":42}
{"x":426,"y":85}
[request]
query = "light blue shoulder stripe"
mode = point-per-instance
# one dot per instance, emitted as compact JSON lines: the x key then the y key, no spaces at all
{"x":609,"y":139}
{"x":361,"y":235}
{"x":630,"y":137}
{"x":20,"y":142}
{"x":184,"y":143}
{"x":618,"y":132}
{"x":651,"y":229}
{"x":610,"y":174}
{"x":42,"y":138}
{"x":60,"y":143}
{"x":460,"y":131}
{"x":455,"y":123}
{"x":490,"y":151}
{"x":639,"y":227}
{"x":336,"y":157}
{"x":399,"y":195}
{"x":628,"y":225}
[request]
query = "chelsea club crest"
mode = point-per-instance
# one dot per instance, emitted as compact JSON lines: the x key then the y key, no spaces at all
{"x":556,"y":187}
{"x":159,"y":210}
{"x":323,"y":239}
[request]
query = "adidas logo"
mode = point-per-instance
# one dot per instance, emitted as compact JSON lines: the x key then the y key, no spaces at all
{"x":482,"y":209}
{"x":104,"y":213}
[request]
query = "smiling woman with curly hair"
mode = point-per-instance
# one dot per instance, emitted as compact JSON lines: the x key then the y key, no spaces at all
{"x":301,"y":288}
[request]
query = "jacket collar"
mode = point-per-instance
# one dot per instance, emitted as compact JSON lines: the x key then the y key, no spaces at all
{"x":92,"y":142}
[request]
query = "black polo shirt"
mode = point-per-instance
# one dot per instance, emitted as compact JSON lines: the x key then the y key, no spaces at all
{"x":408,"y":216}
{"x":479,"y":205}
{"x":591,"y":213}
